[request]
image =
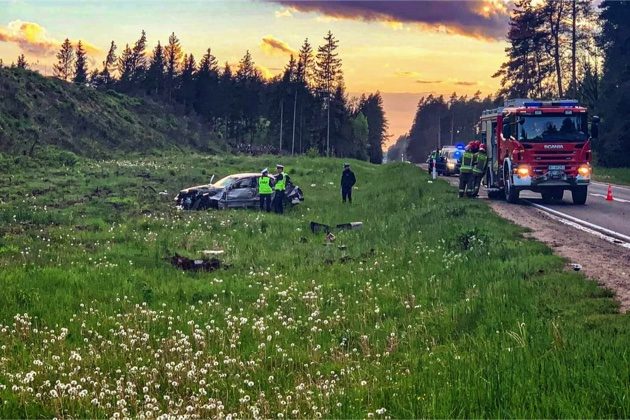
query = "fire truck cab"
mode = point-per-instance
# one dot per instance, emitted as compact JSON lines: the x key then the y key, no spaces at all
{"x":541,"y":146}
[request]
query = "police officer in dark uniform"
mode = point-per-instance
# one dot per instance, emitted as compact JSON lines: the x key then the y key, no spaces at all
{"x":279,"y":187}
{"x":347,"y":182}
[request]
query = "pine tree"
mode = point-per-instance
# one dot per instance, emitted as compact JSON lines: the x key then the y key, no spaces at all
{"x":206,"y":86}
{"x":65,"y":60}
{"x":109,"y":66}
{"x":187,"y":89}
{"x":154,"y":80}
{"x":247,"y":71}
{"x":304,"y":68}
{"x":528,"y":66}
{"x":132,"y":65}
{"x":21,"y":62}
{"x":227,"y":108}
{"x":328,"y":75}
{"x":173,"y":58}
{"x":80,"y":67}
{"x":372,"y":108}
{"x":248,"y":84}
{"x":614,"y":141}
{"x":139,"y":59}
{"x":126,"y":68}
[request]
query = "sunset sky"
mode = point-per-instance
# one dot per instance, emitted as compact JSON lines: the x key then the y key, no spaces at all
{"x":404,"y":49}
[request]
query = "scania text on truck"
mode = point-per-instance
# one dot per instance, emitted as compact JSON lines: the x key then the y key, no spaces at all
{"x":541,"y":146}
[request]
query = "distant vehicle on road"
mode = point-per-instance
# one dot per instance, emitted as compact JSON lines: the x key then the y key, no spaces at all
{"x":541,"y":146}
{"x":448,"y":160}
{"x":233,"y":191}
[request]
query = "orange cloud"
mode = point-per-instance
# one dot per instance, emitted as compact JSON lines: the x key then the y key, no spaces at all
{"x":272,"y":46}
{"x":31,"y":37}
{"x":285,"y":13}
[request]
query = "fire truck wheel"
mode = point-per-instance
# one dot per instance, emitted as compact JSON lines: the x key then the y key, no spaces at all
{"x":579,"y":195}
{"x":557,"y":194}
{"x":511,"y":193}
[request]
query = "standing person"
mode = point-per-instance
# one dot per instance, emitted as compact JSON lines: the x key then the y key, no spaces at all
{"x":479,"y":170}
{"x":265,"y":191}
{"x":470,"y":188}
{"x":347,"y":182}
{"x":280,"y":186}
{"x":465,"y":171}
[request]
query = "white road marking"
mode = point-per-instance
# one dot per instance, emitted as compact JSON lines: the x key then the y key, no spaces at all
{"x":621,"y":200}
{"x":613,"y":236}
{"x":613,"y":185}
{"x":591,"y":231}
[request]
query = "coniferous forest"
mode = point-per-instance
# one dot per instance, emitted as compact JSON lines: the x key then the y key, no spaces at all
{"x":556,"y":49}
{"x":305,"y":109}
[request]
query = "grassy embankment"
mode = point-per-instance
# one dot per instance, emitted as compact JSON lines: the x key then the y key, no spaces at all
{"x":37,"y":112}
{"x":437,"y":308}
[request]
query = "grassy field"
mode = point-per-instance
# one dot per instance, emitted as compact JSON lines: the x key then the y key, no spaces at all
{"x":612,"y":175}
{"x":437,"y":308}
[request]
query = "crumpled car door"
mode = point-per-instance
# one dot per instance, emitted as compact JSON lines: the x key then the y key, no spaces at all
{"x":241,"y":194}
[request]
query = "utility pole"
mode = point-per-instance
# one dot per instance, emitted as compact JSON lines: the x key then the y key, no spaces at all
{"x":439,"y":131}
{"x":294,"y":115}
{"x":452,"y":131}
{"x":328,"y":127}
{"x":573,"y":52}
{"x":281,"y":119}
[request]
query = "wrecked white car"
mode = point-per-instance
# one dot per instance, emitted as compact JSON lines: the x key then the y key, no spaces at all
{"x":233,"y":191}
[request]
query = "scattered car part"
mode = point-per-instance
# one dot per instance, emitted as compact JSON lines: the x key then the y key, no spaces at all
{"x":188,"y":264}
{"x":350,"y":226}
{"x":319,"y":227}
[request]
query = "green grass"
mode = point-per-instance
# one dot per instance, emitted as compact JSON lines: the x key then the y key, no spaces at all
{"x":437,"y":308}
{"x":612,"y":175}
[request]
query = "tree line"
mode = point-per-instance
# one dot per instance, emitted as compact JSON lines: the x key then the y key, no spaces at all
{"x":304,"y":109}
{"x":556,"y":49}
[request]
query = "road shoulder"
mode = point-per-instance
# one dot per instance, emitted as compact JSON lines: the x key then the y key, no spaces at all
{"x":607,"y":263}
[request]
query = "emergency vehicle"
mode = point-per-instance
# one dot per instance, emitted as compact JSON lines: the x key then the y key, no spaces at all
{"x":541,"y":146}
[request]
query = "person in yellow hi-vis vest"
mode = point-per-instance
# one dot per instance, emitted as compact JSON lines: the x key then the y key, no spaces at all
{"x":465,"y":170}
{"x":279,"y":187}
{"x":265,"y":191}
{"x":479,"y":170}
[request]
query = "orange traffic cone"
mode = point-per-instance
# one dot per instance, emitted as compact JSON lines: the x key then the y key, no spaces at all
{"x":609,"y":196}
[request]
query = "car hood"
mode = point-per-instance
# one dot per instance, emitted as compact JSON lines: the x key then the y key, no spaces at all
{"x":208,"y":188}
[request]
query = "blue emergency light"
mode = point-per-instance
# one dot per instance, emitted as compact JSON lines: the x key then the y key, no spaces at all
{"x":533,"y":104}
{"x":457,"y":154}
{"x":460,"y":146}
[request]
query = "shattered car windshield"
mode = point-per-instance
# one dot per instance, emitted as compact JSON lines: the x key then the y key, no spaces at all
{"x":553,"y":127}
{"x":224,"y":182}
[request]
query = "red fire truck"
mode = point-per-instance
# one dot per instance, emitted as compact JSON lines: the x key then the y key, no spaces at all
{"x":541,"y":146}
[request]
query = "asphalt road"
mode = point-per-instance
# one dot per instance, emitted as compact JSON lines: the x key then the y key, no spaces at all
{"x":611,"y":215}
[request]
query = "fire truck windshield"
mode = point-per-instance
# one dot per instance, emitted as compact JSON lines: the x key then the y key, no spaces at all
{"x":540,"y":128}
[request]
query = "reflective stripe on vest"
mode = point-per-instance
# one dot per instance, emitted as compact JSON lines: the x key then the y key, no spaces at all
{"x":467,"y":162}
{"x":281,"y":184}
{"x":481,"y":164}
{"x":264,"y":185}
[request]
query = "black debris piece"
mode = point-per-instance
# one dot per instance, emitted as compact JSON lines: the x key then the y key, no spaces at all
{"x":188,"y":264}
{"x":319,"y":227}
{"x":349,"y":226}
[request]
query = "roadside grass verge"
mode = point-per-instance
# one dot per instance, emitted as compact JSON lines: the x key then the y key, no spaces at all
{"x":436,"y":308}
{"x":612,"y":175}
